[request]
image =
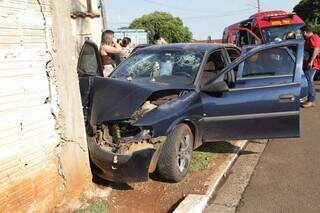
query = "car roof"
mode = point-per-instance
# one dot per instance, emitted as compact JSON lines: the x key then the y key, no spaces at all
{"x":186,"y":46}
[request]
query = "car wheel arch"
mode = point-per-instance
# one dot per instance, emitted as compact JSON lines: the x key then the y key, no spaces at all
{"x":193,"y":127}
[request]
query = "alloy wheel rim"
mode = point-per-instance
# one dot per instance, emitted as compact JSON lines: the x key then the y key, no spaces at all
{"x":184,"y":154}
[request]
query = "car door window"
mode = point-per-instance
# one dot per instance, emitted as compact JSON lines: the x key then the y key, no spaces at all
{"x":214,"y":64}
{"x":88,"y":63}
{"x":270,"y":62}
{"x":233,"y":53}
{"x":235,"y":36}
{"x":243,"y":38}
{"x":268,"y":67}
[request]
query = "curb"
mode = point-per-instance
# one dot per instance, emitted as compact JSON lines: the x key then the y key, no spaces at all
{"x":196,"y":203}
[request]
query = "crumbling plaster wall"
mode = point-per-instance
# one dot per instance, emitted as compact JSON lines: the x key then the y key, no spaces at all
{"x":74,"y":152}
{"x":44,"y":158}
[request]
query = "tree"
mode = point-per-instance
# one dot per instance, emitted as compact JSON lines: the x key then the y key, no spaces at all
{"x":170,"y":27}
{"x":309,"y":11}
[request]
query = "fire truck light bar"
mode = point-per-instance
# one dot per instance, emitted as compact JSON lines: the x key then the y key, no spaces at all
{"x":275,"y":16}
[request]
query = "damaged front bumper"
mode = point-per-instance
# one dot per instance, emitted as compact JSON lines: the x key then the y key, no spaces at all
{"x":124,"y":168}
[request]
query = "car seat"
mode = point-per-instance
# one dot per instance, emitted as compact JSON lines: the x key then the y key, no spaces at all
{"x":209,"y":72}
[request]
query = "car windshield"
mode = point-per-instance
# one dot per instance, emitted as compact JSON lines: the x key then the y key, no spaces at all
{"x":180,"y":66}
{"x":279,"y":33}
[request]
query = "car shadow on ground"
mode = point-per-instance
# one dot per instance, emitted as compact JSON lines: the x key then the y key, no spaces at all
{"x":222,"y":147}
{"x":218,"y":147}
{"x":105,"y":183}
{"x":125,"y":186}
{"x":155,"y":176}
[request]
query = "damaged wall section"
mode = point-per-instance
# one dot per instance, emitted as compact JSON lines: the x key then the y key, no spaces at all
{"x":44,"y":159}
{"x":86,"y":20}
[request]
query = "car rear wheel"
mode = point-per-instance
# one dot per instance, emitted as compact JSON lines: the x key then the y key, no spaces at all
{"x":175,"y":157}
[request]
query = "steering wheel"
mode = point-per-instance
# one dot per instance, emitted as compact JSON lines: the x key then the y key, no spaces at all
{"x":184,"y":74}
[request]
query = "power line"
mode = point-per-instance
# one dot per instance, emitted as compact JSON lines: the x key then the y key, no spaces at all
{"x":256,"y":4}
{"x":178,"y":8}
{"x":216,"y":15}
{"x":226,"y":14}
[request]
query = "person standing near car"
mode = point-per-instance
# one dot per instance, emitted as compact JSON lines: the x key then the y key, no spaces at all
{"x":311,"y":62}
{"x":126,"y":48}
{"x":108,"y":48}
{"x":158,"y":39}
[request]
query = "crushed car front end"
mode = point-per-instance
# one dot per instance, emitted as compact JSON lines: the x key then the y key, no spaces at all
{"x":125,"y":137}
{"x":123,"y":159}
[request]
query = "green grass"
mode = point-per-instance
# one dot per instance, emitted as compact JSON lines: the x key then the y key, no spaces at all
{"x":204,"y":155}
{"x":94,"y":207}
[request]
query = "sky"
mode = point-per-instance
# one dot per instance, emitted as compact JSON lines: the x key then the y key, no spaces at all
{"x":203,"y":17}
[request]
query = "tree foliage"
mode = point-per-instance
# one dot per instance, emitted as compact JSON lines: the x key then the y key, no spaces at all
{"x":309,"y":11}
{"x":170,"y":27}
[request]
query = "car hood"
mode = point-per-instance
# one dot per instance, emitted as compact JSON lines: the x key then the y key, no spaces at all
{"x":118,"y":99}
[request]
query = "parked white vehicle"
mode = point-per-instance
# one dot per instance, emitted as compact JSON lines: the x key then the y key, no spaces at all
{"x":137,"y":36}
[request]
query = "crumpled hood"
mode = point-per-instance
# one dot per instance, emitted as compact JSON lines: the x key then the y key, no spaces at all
{"x":118,"y":99}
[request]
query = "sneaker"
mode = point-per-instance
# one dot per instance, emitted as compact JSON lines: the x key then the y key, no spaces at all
{"x":308,"y":104}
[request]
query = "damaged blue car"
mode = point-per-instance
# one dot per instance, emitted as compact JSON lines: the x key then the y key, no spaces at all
{"x":165,"y":101}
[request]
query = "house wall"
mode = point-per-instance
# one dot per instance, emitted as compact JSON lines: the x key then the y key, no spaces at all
{"x":87,"y":22}
{"x":44,"y":159}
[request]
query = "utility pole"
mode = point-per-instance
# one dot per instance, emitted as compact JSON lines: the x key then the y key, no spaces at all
{"x":103,"y":9}
{"x":259,"y":6}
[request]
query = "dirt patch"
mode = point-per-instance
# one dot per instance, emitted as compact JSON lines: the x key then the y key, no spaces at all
{"x":159,"y":196}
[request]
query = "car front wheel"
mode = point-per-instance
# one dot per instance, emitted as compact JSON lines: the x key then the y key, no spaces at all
{"x":175,"y":157}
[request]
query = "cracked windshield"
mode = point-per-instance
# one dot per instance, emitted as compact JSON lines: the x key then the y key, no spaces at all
{"x":162,"y":66}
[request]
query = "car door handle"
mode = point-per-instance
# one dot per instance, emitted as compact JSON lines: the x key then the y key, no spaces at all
{"x":287,"y":98}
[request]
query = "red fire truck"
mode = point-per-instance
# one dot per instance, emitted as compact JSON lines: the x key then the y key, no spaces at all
{"x":263,"y":27}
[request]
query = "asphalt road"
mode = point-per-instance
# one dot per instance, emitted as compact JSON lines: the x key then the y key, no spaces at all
{"x":287,"y":176}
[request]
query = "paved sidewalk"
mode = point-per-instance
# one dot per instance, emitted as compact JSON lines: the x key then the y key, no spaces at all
{"x":229,"y":195}
{"x":287,"y":177}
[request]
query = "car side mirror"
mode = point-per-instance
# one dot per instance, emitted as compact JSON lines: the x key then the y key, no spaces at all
{"x":215,"y":87}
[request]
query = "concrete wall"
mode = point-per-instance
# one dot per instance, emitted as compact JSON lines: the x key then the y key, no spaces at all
{"x":44,"y":159}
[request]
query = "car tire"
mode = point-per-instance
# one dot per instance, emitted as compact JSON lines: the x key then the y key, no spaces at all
{"x":176,"y":154}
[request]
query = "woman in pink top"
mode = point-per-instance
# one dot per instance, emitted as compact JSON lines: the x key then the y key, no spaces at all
{"x":108,"y":46}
